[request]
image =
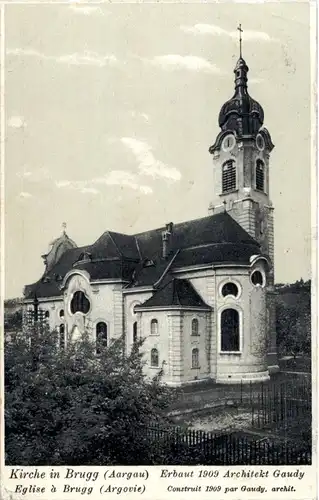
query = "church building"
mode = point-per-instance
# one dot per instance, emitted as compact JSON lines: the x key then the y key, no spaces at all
{"x":201,"y":292}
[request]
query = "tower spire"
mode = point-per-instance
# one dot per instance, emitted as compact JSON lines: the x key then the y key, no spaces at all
{"x":240,"y":40}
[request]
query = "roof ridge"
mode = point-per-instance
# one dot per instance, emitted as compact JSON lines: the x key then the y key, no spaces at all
{"x":177,"y":290}
{"x":184,"y":222}
{"x":138,"y":247}
{"x":167,"y":268}
{"x":113,"y":241}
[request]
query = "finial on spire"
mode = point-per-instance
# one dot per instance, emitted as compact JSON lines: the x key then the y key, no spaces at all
{"x":240,"y":40}
{"x":64,"y":227}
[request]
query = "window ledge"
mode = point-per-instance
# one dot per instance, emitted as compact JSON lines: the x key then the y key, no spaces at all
{"x":154,"y":367}
{"x":195,"y":368}
{"x":236,"y":353}
{"x":229,"y":192}
{"x":154,"y":335}
{"x":192,"y":335}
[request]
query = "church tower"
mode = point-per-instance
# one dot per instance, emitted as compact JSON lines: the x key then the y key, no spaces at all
{"x":241,"y":155}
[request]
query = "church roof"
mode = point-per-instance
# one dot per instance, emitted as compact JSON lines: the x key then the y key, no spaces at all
{"x":178,"y":293}
{"x":138,"y":258}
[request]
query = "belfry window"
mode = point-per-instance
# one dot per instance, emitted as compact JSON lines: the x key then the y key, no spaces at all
{"x":135,"y":331}
{"x":229,"y":176}
{"x":101,"y":336}
{"x":80,"y":303}
{"x":154,"y":358}
{"x":62,"y":336}
{"x":229,"y":330}
{"x":260,"y":175}
{"x":195,"y":358}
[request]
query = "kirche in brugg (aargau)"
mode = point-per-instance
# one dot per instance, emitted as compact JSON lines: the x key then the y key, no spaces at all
{"x":200,"y":292}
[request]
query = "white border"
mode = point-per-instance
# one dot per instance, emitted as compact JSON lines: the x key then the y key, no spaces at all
{"x":156,"y":486}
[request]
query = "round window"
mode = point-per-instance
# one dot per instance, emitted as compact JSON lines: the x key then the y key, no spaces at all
{"x":230,"y":289}
{"x":257,"y":278}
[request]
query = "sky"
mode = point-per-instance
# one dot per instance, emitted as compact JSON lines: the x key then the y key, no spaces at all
{"x":110,"y":111}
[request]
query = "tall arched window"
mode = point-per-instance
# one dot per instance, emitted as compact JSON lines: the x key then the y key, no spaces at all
{"x":101,"y":336}
{"x":135,"y":331}
{"x":154,"y":327}
{"x":230,"y":330}
{"x":195,"y":358}
{"x":229,"y":176}
{"x":47,"y":314}
{"x":62,"y":336}
{"x":154,"y":357}
{"x":61,"y":313}
{"x":260,"y":175}
{"x":195,"y":331}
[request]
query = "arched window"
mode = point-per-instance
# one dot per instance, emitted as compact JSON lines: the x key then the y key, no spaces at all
{"x":260,"y":175}
{"x":80,"y":303}
{"x":195,"y":331}
{"x":257,"y":278}
{"x":101,"y":336}
{"x":135,"y":331}
{"x":47,"y":314}
{"x":195,"y":358}
{"x":230,"y":289}
{"x":154,"y":357}
{"x":230,"y":330}
{"x":61,"y":313}
{"x":62,"y":336}
{"x":229,"y":176}
{"x":154,"y":327}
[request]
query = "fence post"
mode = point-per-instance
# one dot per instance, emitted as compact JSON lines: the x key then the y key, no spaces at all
{"x":252,"y":415}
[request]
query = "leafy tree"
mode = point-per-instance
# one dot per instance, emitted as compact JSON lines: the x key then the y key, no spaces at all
{"x":293,"y":329}
{"x":72,"y":406}
{"x":13,"y":321}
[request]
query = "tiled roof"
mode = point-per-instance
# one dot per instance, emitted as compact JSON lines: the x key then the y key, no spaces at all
{"x":216,"y":253}
{"x":178,"y":293}
{"x":138,"y":258}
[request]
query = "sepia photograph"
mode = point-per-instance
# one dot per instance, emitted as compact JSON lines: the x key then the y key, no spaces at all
{"x":158,"y":235}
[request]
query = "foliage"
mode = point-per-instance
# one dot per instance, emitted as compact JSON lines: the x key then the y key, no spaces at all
{"x":74,"y":407}
{"x":13,"y":321}
{"x":293,"y":319}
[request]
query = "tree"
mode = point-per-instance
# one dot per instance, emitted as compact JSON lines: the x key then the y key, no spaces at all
{"x":13,"y":321}
{"x":72,"y":406}
{"x":293,"y":328}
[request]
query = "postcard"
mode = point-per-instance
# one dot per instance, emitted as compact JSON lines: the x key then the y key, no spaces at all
{"x":159,"y":251}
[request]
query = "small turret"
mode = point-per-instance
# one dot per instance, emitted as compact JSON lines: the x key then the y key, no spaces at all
{"x":57,"y":249}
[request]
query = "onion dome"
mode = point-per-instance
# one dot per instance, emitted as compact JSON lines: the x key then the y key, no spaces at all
{"x":241,"y":114}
